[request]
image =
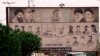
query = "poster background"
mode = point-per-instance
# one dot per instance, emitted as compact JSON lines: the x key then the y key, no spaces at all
{"x":54,"y":27}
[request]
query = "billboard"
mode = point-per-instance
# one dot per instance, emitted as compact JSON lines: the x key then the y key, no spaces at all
{"x":74,"y":27}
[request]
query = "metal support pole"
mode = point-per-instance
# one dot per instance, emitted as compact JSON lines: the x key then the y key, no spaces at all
{"x":28,"y":3}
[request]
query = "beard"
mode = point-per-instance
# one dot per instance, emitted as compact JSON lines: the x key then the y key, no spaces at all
{"x":20,"y":20}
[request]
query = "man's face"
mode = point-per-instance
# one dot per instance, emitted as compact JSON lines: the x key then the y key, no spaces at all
{"x":16,"y":27}
{"x":74,"y":39}
{"x":70,"y":27}
{"x":22,"y":28}
{"x":30,"y":28}
{"x":20,"y":15}
{"x":60,"y":30}
{"x":86,"y":27}
{"x":88,"y":16}
{"x":89,"y":38}
{"x":82,"y":39}
{"x":49,"y":29}
{"x":78,"y":28}
{"x":78,"y":16}
{"x":28,"y":13}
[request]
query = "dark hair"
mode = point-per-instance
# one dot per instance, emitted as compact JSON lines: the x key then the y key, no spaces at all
{"x":30,"y":8}
{"x":33,"y":10}
{"x":83,"y":37}
{"x":79,"y":10}
{"x":70,"y":29}
{"x":86,"y":26}
{"x":94,"y":29}
{"x":92,"y":25}
{"x":77,"y":26}
{"x":85,"y":29}
{"x":75,"y":37}
{"x":16,"y":26}
{"x":22,"y":26}
{"x":90,"y":36}
{"x":17,"y":11}
{"x":90,"y":10}
{"x":29,"y":26}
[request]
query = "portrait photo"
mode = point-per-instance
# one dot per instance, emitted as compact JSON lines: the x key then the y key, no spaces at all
{"x":85,"y":14}
{"x":75,"y":28}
